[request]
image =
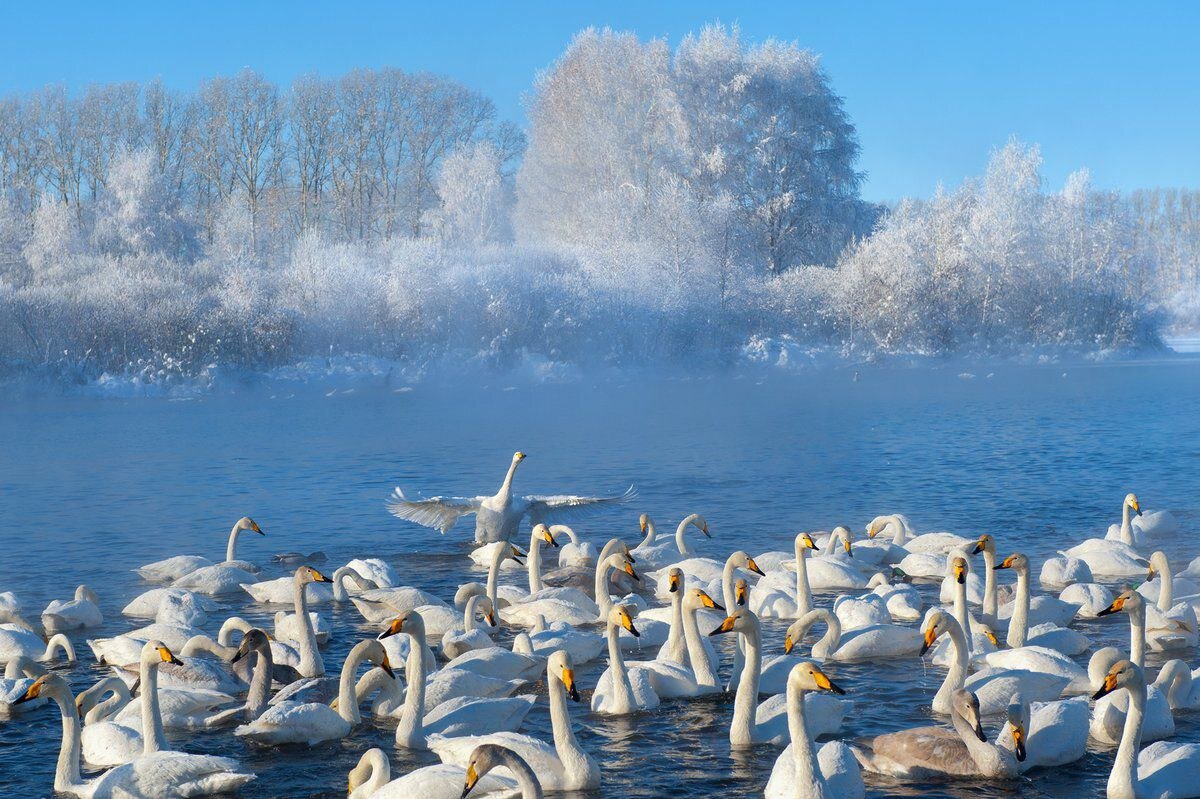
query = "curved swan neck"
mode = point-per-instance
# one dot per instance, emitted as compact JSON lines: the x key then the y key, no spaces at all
{"x":681,"y":538}
{"x":1018,"y":625}
{"x":231,"y":547}
{"x":347,"y":700}
{"x":1122,"y":781}
{"x":956,"y":676}
{"x":66,"y":772}
{"x":1175,"y":681}
{"x":527,"y":782}
{"x":833,"y":632}
{"x":340,"y":594}
{"x":622,"y":689}
{"x":229,"y":627}
{"x":311,"y":663}
{"x":472,"y":607}
{"x":603,"y":598}
{"x":411,"y":731}
{"x":803,"y":591}
{"x":900,"y":537}
{"x":118,"y":697}
{"x":702,"y":667}
{"x":59,"y":642}
{"x":153,"y":736}
{"x":202,"y":643}
{"x":743,"y":729}
{"x":1126,"y":525}
{"x":379,"y":771}
{"x":809,"y":781}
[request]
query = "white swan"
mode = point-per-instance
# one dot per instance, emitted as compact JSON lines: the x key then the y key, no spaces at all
{"x":654,"y":554}
{"x":1063,"y":571}
{"x":19,"y":674}
{"x":172,"y":569}
{"x":370,"y":778}
{"x":1091,"y":598}
{"x":496,"y":517}
{"x":1180,"y":684}
{"x":312,"y":722}
{"x":1162,"y":770}
{"x":219,"y":579}
{"x":993,"y":687}
{"x":830,"y":772}
{"x":902,"y":600}
{"x":463,"y":716}
{"x":832,"y":570}
{"x":625,"y":690}
{"x":652,"y":631}
{"x":155,"y":774}
{"x":565,"y":766}
{"x":1160,"y":638}
{"x":937,"y":543}
{"x":73,"y":614}
{"x":311,"y":664}
{"x":565,"y":604}
{"x":279,"y":591}
{"x":876,"y":642}
{"x":767,"y":722}
{"x":171,"y":605}
{"x":455,"y":642}
{"x":1108,"y":712}
{"x":1113,"y":558}
{"x":582,"y":645}
{"x":104,"y":742}
{"x":575,"y":553}
{"x":1048,"y":636}
{"x":21,"y":641}
{"x":670,"y":676}
{"x":774,"y":597}
{"x":1169,"y":624}
{"x":927,"y":752}
{"x":1050,"y":733}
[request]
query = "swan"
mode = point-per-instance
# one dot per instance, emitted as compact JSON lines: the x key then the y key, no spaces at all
{"x":496,"y":517}
{"x":220,"y":579}
{"x":73,"y":614}
{"x":653,"y":632}
{"x":575,"y":553}
{"x":767,"y":722}
{"x":902,"y":600}
{"x":669,"y":676}
{"x":1049,"y":636}
{"x":455,"y":642}
{"x":1180,"y":684}
{"x":993,"y":687}
{"x":279,"y":591}
{"x":311,"y":722}
{"x":1052,"y":733}
{"x":1041,"y":660}
{"x":1113,"y":558}
{"x":565,"y":604}
{"x":711,"y":575}
{"x":830,"y":772}
{"x":1108,"y":713}
{"x":654,"y":554}
{"x":19,"y":674}
{"x":172,"y":569}
{"x":311,"y":664}
{"x":938,"y":543}
{"x":20,"y":641}
{"x":254,"y":642}
{"x":1162,"y":770}
{"x":978,"y":638}
{"x":1160,"y":638}
{"x":861,"y":611}
{"x":927,"y":752}
{"x":462,"y":716}
{"x":1169,"y":623}
{"x":773,"y":597}
{"x":989,"y":606}
{"x":1063,"y":571}
{"x":562,"y":767}
{"x":1124,"y":532}
{"x":171,"y":605}
{"x":105,"y":743}
{"x":153,"y":775}
{"x":370,"y":778}
{"x":829,"y":572}
{"x":582,"y":645}
{"x":876,"y":642}
{"x":626,"y":690}
{"x":1091,"y":598}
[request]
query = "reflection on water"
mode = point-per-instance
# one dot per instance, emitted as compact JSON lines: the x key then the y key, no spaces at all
{"x":1038,"y":457}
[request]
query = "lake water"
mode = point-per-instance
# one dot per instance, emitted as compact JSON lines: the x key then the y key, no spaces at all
{"x":1040,"y":457}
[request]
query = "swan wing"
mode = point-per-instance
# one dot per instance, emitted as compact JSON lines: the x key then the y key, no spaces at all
{"x":439,"y":513}
{"x":444,"y":782}
{"x":552,"y":508}
{"x":172,"y":774}
{"x":472,"y":716}
{"x":1169,"y":770}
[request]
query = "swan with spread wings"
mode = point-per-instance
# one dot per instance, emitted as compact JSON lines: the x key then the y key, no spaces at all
{"x":496,"y":517}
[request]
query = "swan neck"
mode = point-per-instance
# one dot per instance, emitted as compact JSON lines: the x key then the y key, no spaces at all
{"x":1166,"y":589}
{"x":743,"y":729}
{"x":807,"y":775}
{"x":229,"y":627}
{"x":411,"y":731}
{"x":560,"y":720}
{"x":702,"y":667}
{"x":961,"y":614}
{"x":533,"y":564}
{"x":493,"y":580}
{"x":622,"y":690}
{"x":59,"y":642}
{"x":154,"y":738}
{"x":672,"y":649}
{"x":1018,"y":625}
{"x":990,"y":760}
{"x":603,"y":598}
{"x":727,"y":585}
{"x":347,"y":700}
{"x":803,"y":591}
{"x":527,"y":782}
{"x":506,"y":487}
{"x":202,"y":643}
{"x":311,"y":663}
{"x":681,"y":538}
{"x":1126,"y":525}
{"x":990,"y":601}
{"x":1123,"y":778}
{"x":260,"y":684}
{"x":66,"y":772}
{"x":1137,"y":636}
{"x":469,"y":614}
{"x":231,"y":547}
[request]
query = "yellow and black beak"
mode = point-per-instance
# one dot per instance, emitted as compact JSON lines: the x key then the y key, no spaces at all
{"x":960,"y":574}
{"x":568,"y":678}
{"x":979,"y":545}
{"x":490,"y":618}
{"x":788,"y":644}
{"x":1006,"y":563}
{"x":627,"y":623}
{"x":396,"y":626}
{"x":168,"y":657}
{"x":674,"y":583}
{"x":629,"y":570}
{"x":808,"y":542}
{"x":709,"y":602}
{"x":516,"y":554}
{"x":254,"y":526}
{"x":725,"y":627}
{"x":33,"y":692}
{"x":549,"y":537}
{"x":991,"y":636}
{"x":1107,"y":687}
{"x":846,"y":545}
{"x":872,"y":531}
{"x":1117,"y":606}
{"x":930,"y":637}
{"x":824,"y":683}
{"x":752,"y":566}
{"x":740,"y":595}
{"x":472,"y":778}
{"x":318,"y":577}
{"x":1137,"y":508}
{"x":1150,"y":575}
{"x":386,"y":665}
{"x":1018,"y":734}
{"x":242,"y":652}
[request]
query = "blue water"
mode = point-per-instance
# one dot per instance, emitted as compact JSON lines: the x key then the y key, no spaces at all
{"x":1039,"y":457}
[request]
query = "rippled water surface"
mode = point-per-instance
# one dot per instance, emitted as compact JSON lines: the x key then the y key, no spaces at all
{"x":1039,"y":457}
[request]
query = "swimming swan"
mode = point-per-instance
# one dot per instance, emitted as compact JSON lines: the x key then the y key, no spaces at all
{"x":625,"y":690}
{"x":654,"y":554}
{"x":171,"y":569}
{"x":369,"y":779}
{"x":73,"y":614}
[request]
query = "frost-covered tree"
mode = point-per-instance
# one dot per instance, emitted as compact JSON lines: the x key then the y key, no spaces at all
{"x":139,"y":213}
{"x":473,"y":200}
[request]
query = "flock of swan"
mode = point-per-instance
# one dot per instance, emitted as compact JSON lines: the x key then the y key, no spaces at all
{"x":436,"y":670}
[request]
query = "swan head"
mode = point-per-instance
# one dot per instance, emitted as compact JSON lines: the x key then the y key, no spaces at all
{"x":246,"y":523}
{"x":622,"y":616}
{"x":746,"y":562}
{"x":47,"y":685}
{"x":966,"y":705}
{"x":842,"y":532}
{"x":1158,"y":564}
{"x":740,"y":592}
{"x":741,"y":620}
{"x":515,"y":553}
{"x":375,"y":653}
{"x":695,"y":598}
{"x":875,"y":527}
{"x":410,"y":622}
{"x":518,"y":457}
{"x":1131,"y":502}
{"x":1122,"y":674}
{"x":622,"y":563}
{"x":1128,"y":601}
{"x":253,"y":640}
{"x":700,"y":523}
{"x":805,"y":676}
{"x":307,"y":574}
{"x":628,"y":553}
{"x":1016,"y":561}
{"x":542,"y":532}
{"x":559,"y":664}
{"x":1018,"y":723}
{"x":958,"y":569}
{"x":485,"y":758}
{"x":937,"y":624}
{"x":985,"y":544}
{"x":488,"y":610}
{"x":644,"y":523}
{"x":795,"y":632}
{"x":674,"y":579}
{"x":157,"y":652}
{"x":805,"y":541}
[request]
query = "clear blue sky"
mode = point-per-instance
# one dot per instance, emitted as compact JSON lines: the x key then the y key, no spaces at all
{"x":931,"y":86}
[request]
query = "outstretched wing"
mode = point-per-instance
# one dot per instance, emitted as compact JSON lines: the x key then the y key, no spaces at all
{"x":439,"y":513}
{"x":553,"y":508}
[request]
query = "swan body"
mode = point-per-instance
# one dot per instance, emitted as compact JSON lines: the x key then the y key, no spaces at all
{"x":217,"y":580}
{"x":924,"y":565}
{"x":171,"y":605}
{"x":653,"y":554}
{"x":1090,"y":597}
{"x":583,"y":646}
{"x":18,"y":641}
{"x":626,"y":690}
{"x":279,"y":591}
{"x":1109,"y":711}
{"x":1114,"y":558}
{"x":576,"y":553}
{"x":861,"y":611}
{"x":936,"y":543}
{"x":1055,"y":733}
{"x":874,"y":642}
{"x":180,"y":566}
{"x":497,"y":517}
{"x":1062,"y":571}
{"x":105,"y":743}
{"x":902,"y":600}
{"x":73,"y":614}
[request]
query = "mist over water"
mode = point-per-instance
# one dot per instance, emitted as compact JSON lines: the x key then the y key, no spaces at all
{"x":1039,"y":457}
